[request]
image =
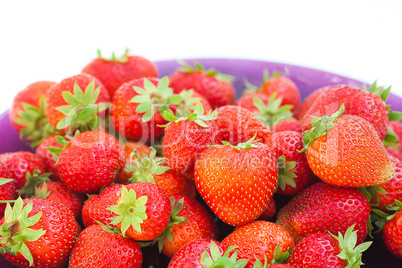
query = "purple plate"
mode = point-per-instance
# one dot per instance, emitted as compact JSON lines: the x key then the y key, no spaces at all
{"x":306,"y":79}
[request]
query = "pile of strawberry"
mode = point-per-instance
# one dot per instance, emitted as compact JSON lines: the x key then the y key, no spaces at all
{"x":126,"y":164}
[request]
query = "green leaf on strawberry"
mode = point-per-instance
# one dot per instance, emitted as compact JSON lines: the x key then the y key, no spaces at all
{"x":32,"y":181}
{"x":4,"y":181}
{"x":186,"y":68}
{"x":122,"y":59}
{"x":244,"y":145}
{"x":197,"y":116}
{"x":380,"y":218}
{"x":215,"y":259}
{"x":285,"y":175}
{"x":278,"y":256}
{"x":250,"y":88}
{"x":273,"y":112}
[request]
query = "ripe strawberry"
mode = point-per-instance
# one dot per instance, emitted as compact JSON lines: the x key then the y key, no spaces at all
{"x":27,"y":113}
{"x":322,"y":250}
{"x":186,"y":138}
{"x":247,"y":101}
{"x":114,"y":72}
{"x":237,"y":182}
{"x":396,"y":127}
{"x":269,"y":211}
{"x":90,"y":161}
{"x":214,"y":86}
{"x":189,"y":221}
{"x":323,"y":207}
{"x":49,"y":162}
{"x":38,"y":233}
{"x":98,"y":246}
{"x":294,"y":171}
{"x":142,"y":211}
{"x":76,"y":102}
{"x":392,"y":152}
{"x":257,"y":240}
{"x":345,"y":150}
{"x":189,"y":100}
{"x":308,"y":102}
{"x":392,"y":230}
{"x":138,"y":106}
{"x":238,"y":125}
{"x":288,"y":125}
{"x":7,"y":187}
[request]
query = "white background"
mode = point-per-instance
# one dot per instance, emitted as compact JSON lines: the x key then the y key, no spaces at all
{"x":52,"y":40}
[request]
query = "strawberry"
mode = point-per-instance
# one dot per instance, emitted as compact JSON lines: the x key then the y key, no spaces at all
{"x":189,"y":100}
{"x":142,"y":211}
{"x":345,"y":150}
{"x":49,"y":162}
{"x":89,"y":161}
{"x":396,"y":127}
{"x":186,"y":137}
{"x":7,"y":187}
{"x":38,"y":233}
{"x":237,"y":182}
{"x":214,"y":86}
{"x":308,"y":102}
{"x":115,"y":71}
{"x":258,"y":240}
{"x":392,"y":152}
{"x":247,"y":101}
{"x":294,"y":171}
{"x":205,"y":253}
{"x":27,"y":113}
{"x":323,"y":207}
{"x":189,"y":221}
{"x":238,"y":125}
{"x":138,"y":106}
{"x":288,"y":125}
{"x":59,"y":192}
{"x":76,"y":102}
{"x":99,"y":246}
{"x":327,"y":250}
{"x":269,"y":211}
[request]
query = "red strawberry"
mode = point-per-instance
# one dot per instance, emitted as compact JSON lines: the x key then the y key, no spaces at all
{"x":246,"y":101}
{"x":396,"y":127}
{"x":238,"y":125}
{"x":116,"y":71}
{"x":45,"y":239}
{"x":391,"y":151}
{"x":214,"y":86}
{"x":288,"y":125}
{"x":76,"y":102}
{"x":95,"y":208}
{"x":323,"y":207}
{"x":185,"y":138}
{"x":97,"y":246}
{"x":326,"y":250}
{"x":142,"y":211}
{"x":90,"y":161}
{"x":7,"y":187}
{"x":294,"y":171}
{"x":258,"y":240}
{"x":27,"y":114}
{"x":308,"y":102}
{"x":269,"y":211}
{"x":345,"y":150}
{"x":237,"y":182}
{"x":189,"y":221}
{"x":138,"y":106}
{"x":392,"y":232}
{"x":47,"y":158}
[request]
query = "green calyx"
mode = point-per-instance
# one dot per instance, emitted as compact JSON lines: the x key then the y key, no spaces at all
{"x":186,"y":68}
{"x":351,"y":253}
{"x":285,"y":175}
{"x":122,"y":59}
{"x":145,"y":166}
{"x":244,"y":145}
{"x":15,"y":230}
{"x":4,"y":181}
{"x":391,"y":139}
{"x":130,"y":211}
{"x":273,"y":112}
{"x":214,"y":259}
{"x":197,"y":116}
{"x":188,"y":103}
{"x":250,"y":88}
{"x":153,"y":98}
{"x":279,"y":256}
{"x":32,"y":181}
{"x":319,"y":127}
{"x":36,"y":126}
{"x":380,"y":218}
{"x":41,"y":192}
{"x":64,"y":142}
{"x":82,"y":110}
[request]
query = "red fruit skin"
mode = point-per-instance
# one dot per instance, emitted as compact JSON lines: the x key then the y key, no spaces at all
{"x":317,"y":250}
{"x":392,"y":152}
{"x":204,"y":102}
{"x":173,"y":183}
{"x":392,"y":235}
{"x":189,"y":256}
{"x":323,"y":207}
{"x":258,"y":238}
{"x":199,"y":225}
{"x":217,"y":92}
{"x":54,"y":97}
{"x":396,"y":126}
{"x":158,"y":209}
{"x":288,"y":125}
{"x":95,"y":208}
{"x":246,"y":101}
{"x":55,"y":246}
{"x":31,"y":95}
{"x":285,"y":89}
{"x":90,"y":161}
{"x":97,"y":248}
{"x":113,"y":74}
{"x":19,"y":164}
{"x":236,"y":184}
{"x":7,"y":191}
{"x":279,"y":265}
{"x":185,"y":140}
{"x":126,"y":121}
{"x":289,"y":143}
{"x":308,"y":102}
{"x":238,"y":125}
{"x":47,"y":157}
{"x":269,"y":211}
